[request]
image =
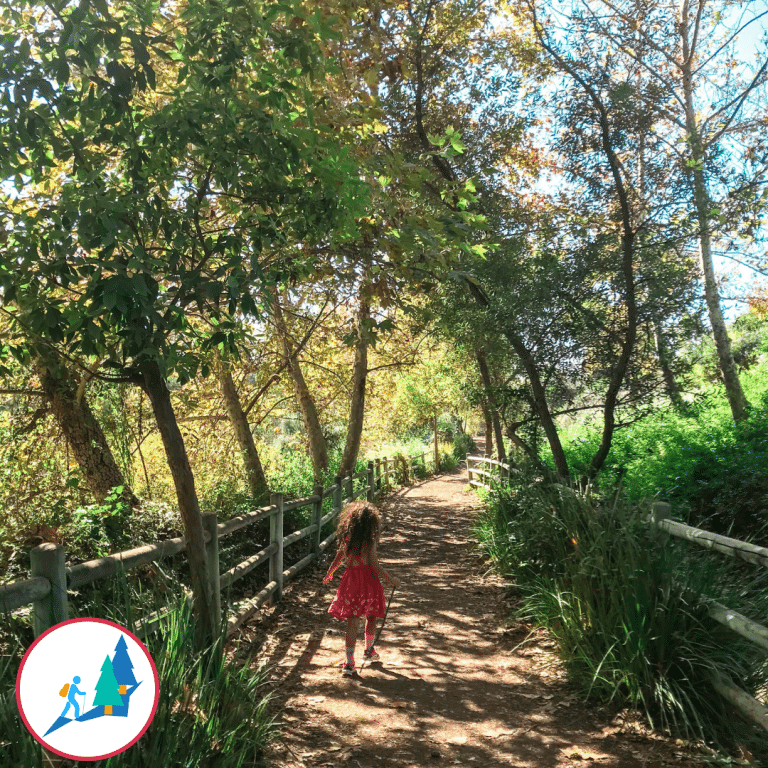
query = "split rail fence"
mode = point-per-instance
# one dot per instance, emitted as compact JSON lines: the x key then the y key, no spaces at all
{"x":498,"y":474}
{"x":51,"y":578}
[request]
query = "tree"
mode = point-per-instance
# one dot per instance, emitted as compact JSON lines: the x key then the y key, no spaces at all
{"x":257,"y":482}
{"x":711,"y":92}
{"x":68,"y":403}
{"x":136,"y":231}
{"x":122,"y":664}
{"x":107,"y":687}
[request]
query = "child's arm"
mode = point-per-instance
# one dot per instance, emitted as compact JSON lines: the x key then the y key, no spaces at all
{"x":380,"y":572}
{"x":334,"y":565}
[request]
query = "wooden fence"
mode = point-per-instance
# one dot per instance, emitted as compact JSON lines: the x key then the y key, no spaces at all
{"x":50,"y":578}
{"x":498,"y":474}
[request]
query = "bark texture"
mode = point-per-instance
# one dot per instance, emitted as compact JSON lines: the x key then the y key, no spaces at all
{"x":254,"y":472}
{"x":670,"y":383}
{"x":541,"y":405}
{"x":703,"y":205}
{"x":357,"y":401}
{"x":488,"y":431}
{"x":82,"y":431}
{"x":485,"y":377}
{"x":157,"y":391}
{"x":317,"y":444}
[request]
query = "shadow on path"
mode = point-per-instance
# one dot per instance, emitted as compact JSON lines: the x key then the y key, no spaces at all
{"x":453,"y":687}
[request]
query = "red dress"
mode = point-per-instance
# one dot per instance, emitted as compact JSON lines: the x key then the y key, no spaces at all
{"x":359,"y":594}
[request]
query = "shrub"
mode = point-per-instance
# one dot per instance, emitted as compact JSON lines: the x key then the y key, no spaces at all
{"x":463,"y":444}
{"x":625,"y":608}
{"x":210,"y":712}
{"x":448,"y":462}
{"x":712,"y":471}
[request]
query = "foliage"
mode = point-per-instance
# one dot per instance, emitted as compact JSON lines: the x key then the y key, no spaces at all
{"x":712,"y":471}
{"x":100,"y":529}
{"x":212,"y":711}
{"x":625,"y":608}
{"x":463,"y":444}
{"x":448,"y":461}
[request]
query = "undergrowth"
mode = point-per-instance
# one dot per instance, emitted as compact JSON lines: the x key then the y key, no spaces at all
{"x":625,"y":606}
{"x":211,"y":713}
{"x":713,"y":471}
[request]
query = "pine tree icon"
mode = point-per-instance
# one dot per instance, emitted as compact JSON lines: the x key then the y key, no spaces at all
{"x":107,"y":689}
{"x":123,"y":666}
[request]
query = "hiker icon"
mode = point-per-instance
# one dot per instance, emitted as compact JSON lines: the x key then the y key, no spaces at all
{"x":72,"y":692}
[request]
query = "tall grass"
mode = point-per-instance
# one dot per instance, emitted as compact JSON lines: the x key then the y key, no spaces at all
{"x":625,"y":607}
{"x":211,"y":713}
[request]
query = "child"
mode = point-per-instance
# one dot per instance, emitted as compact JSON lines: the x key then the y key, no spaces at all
{"x":360,"y":592}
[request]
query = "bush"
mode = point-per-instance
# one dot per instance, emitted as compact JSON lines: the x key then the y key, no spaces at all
{"x":448,"y":462}
{"x":625,"y":608}
{"x":210,"y":712}
{"x":463,"y":444}
{"x":714,"y":472}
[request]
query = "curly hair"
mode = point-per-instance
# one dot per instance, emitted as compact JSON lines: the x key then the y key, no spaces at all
{"x":358,"y":527}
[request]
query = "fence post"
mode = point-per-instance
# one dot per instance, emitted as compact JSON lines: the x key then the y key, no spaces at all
{"x":469,"y":470}
{"x":378,"y":474}
{"x":660,"y":510}
{"x":276,"y":537}
{"x":210,"y":524}
{"x":47,"y":560}
{"x":317,"y":516}
{"x":338,"y":494}
{"x":350,"y":486}
{"x":386,"y":474}
{"x":370,"y":492}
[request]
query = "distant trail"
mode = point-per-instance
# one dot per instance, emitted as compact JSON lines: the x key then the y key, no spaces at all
{"x":448,"y":690}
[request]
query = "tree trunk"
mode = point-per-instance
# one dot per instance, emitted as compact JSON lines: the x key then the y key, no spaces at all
{"x":357,"y":401}
{"x":488,"y":452}
{"x":437,"y":450}
{"x":670,"y":385}
{"x":541,"y":406}
{"x":317,"y":445}
{"x":257,"y":482}
{"x":485,"y":376}
{"x":178,"y":462}
{"x":736,"y":398}
{"x":82,"y":431}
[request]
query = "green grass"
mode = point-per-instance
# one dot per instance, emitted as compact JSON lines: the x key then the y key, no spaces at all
{"x":712,"y":471}
{"x":212,"y":713}
{"x":626,"y":607}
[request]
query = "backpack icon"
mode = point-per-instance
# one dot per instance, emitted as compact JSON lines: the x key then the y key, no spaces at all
{"x":64,"y":690}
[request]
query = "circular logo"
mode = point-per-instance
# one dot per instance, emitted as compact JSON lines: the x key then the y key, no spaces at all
{"x":87,"y":689}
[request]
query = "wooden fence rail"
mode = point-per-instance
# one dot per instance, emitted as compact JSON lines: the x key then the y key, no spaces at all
{"x":50,"y":578}
{"x":499,"y":474}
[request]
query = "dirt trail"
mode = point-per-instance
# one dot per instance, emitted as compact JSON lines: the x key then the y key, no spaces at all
{"x":450,"y":688}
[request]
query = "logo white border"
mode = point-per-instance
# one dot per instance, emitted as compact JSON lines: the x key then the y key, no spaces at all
{"x":39,"y":738}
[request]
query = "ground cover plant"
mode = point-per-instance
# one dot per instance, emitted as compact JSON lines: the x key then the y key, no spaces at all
{"x":713,"y":471}
{"x":211,"y":713}
{"x":625,"y":607}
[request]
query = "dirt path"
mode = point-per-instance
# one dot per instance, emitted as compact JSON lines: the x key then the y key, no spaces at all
{"x":450,"y":688}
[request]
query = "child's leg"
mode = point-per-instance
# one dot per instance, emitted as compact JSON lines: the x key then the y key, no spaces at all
{"x":370,"y":632}
{"x":351,"y":640}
